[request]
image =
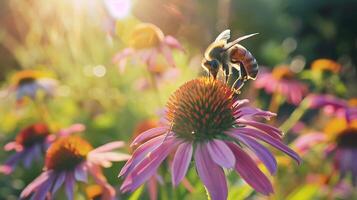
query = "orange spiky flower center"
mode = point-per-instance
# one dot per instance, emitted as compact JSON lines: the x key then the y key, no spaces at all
{"x":67,"y":152}
{"x":201,"y":109}
{"x":282,"y":72}
{"x":325,"y":65}
{"x":146,"y":36}
{"x":33,"y":134}
{"x":347,"y":138}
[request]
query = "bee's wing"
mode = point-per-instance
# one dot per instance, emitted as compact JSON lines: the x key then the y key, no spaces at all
{"x":229,"y":45}
{"x":225,"y":35}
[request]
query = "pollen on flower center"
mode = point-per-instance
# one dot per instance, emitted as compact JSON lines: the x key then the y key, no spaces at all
{"x":348,"y":138}
{"x":33,"y":134}
{"x":201,"y":109}
{"x":67,"y":152}
{"x":282,"y":72}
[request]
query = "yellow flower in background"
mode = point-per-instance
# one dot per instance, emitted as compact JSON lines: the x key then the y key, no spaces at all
{"x":322,"y":65}
{"x":146,"y":36}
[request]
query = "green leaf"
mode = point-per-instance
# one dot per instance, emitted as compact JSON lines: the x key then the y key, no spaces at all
{"x":137,"y":193}
{"x":304,"y":192}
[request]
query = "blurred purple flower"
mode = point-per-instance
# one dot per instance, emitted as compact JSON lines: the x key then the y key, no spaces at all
{"x":206,"y":122}
{"x":147,"y":42}
{"x":161,"y":77}
{"x":333,"y":105}
{"x":28,"y":83}
{"x":30,"y":144}
{"x":281,"y":81}
{"x":70,"y":159}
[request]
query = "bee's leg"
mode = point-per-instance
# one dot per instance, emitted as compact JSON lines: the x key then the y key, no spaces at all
{"x":238,"y":82}
{"x":227,"y":71}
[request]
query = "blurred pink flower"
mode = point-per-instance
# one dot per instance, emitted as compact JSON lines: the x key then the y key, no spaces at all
{"x":334,"y":106}
{"x":70,"y":159}
{"x":206,"y":122}
{"x":281,"y":81}
{"x":161,"y":77}
{"x":30,"y":144}
{"x":147,"y":42}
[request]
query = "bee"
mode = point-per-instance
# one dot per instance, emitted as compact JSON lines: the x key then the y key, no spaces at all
{"x":232,"y":58}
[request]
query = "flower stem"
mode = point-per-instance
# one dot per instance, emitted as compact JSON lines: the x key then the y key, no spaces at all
{"x":156,"y":87}
{"x":295,"y":116}
{"x":275,"y":102}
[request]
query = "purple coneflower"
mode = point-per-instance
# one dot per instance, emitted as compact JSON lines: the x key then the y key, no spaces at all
{"x":333,"y":105}
{"x":206,"y":122}
{"x":28,"y":83}
{"x":342,"y":135}
{"x":30,"y":144}
{"x":281,"y":81}
{"x":147,"y":42}
{"x":70,"y":159}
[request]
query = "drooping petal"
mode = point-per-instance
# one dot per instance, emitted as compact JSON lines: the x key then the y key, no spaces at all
{"x":149,"y":134}
{"x":11,"y":162}
{"x":36,"y":183}
{"x":181,"y":162}
{"x":211,"y":174}
{"x":43,"y":189}
{"x":109,"y":146}
{"x":152,"y":187}
{"x":166,"y":51}
{"x":74,"y":128}
{"x":173,"y":43}
{"x":58,"y":182}
{"x":253,"y":112}
{"x":262,"y":153}
{"x":248,"y":170}
{"x":274,"y":132}
{"x":69,"y":185}
{"x":147,"y":167}
{"x":221,"y":153}
{"x":140,"y":153}
{"x":106,"y":159}
{"x":80,"y":173}
{"x":266,"y":138}
{"x":97,"y":174}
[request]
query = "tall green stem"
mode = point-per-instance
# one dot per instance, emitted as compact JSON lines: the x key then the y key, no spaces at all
{"x":295,"y":116}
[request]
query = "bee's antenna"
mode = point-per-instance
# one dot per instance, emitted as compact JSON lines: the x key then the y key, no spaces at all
{"x":231,"y":44}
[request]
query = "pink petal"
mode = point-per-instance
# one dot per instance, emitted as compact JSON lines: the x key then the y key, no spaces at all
{"x":149,"y":134}
{"x":148,"y":166}
{"x":109,"y":146}
{"x":152,"y":187}
{"x":181,"y":162}
{"x":248,"y":170}
{"x":221,"y":153}
{"x":262,"y":153}
{"x":75,"y":128}
{"x":167,"y":53}
{"x":274,"y":132}
{"x":36,"y":183}
{"x":43,"y":189}
{"x":13,"y":146}
{"x":140,"y":153}
{"x":106,"y":159}
{"x":211,"y":174}
{"x":266,"y":138}
{"x":173,"y":43}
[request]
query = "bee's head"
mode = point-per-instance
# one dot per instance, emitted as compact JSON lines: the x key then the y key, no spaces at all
{"x":212,"y":66}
